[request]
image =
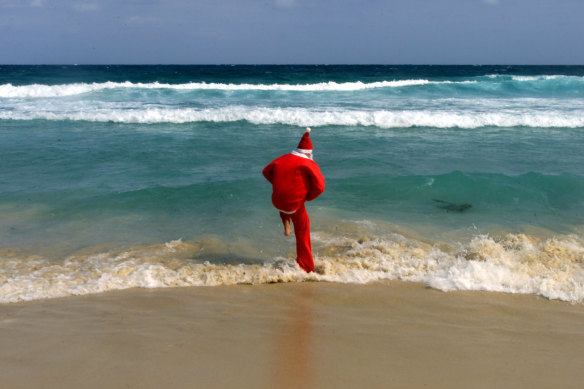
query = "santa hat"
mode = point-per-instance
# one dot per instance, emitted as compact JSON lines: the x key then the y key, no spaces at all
{"x":305,"y":145}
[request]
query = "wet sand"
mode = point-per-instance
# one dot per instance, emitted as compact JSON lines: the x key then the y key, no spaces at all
{"x":309,"y":335}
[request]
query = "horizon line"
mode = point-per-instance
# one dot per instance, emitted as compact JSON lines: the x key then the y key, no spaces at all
{"x":283,"y":64}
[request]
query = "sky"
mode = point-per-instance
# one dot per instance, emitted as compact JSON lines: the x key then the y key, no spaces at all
{"x":292,"y":32}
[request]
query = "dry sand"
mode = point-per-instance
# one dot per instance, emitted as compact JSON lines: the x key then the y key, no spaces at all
{"x":310,"y":335}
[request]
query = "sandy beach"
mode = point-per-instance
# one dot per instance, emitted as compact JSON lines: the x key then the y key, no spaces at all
{"x":308,"y":335}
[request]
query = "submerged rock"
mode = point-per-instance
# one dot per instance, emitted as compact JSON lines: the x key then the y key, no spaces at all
{"x":452,"y":207}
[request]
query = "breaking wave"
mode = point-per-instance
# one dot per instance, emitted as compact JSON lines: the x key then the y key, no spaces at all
{"x":316,"y":117}
{"x":39,"y":90}
{"x":515,"y":263}
{"x":569,"y":83}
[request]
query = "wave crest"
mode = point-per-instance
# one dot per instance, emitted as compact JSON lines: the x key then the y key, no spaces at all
{"x":515,"y":263}
{"x":39,"y":90}
{"x":315,"y":117}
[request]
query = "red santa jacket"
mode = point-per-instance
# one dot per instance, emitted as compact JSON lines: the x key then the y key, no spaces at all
{"x":295,"y":179}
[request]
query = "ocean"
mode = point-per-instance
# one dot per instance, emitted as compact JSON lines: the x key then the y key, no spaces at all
{"x":459,"y":177}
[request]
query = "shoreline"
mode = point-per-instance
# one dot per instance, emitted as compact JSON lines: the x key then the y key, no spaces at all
{"x":513,"y":263}
{"x":300,"y":335}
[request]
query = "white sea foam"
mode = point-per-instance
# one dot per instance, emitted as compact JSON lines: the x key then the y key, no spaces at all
{"x":62,"y":90}
{"x":573,"y":118}
{"x":39,"y":90}
{"x":553,"y":268}
{"x":519,"y":78}
{"x":563,"y":78}
{"x":536,"y":78}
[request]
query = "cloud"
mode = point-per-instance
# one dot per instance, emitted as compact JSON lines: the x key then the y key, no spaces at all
{"x":285,"y":3}
{"x":137,"y":20}
{"x":21,"y":4}
{"x":86,"y":7}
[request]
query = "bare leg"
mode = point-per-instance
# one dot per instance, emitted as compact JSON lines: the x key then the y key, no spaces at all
{"x":286,"y":221}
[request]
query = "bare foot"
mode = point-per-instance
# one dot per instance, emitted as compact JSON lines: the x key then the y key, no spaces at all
{"x":287,"y":229}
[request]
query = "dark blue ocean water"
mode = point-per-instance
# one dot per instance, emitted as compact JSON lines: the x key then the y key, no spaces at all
{"x":427,"y":167}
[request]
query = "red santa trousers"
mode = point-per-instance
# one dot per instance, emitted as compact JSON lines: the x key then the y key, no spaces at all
{"x":302,"y":232}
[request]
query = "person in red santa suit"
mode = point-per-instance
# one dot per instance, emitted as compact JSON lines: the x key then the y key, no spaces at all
{"x":295,"y":179}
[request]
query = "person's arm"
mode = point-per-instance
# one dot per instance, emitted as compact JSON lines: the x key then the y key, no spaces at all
{"x":268,"y":172}
{"x":317,"y":183}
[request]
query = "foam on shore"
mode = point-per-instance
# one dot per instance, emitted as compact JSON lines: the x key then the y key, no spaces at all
{"x":515,"y":263}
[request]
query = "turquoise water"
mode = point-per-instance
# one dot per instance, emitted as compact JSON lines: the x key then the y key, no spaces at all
{"x":156,"y":170}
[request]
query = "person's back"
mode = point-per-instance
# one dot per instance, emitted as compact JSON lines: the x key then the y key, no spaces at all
{"x":295,"y":179}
